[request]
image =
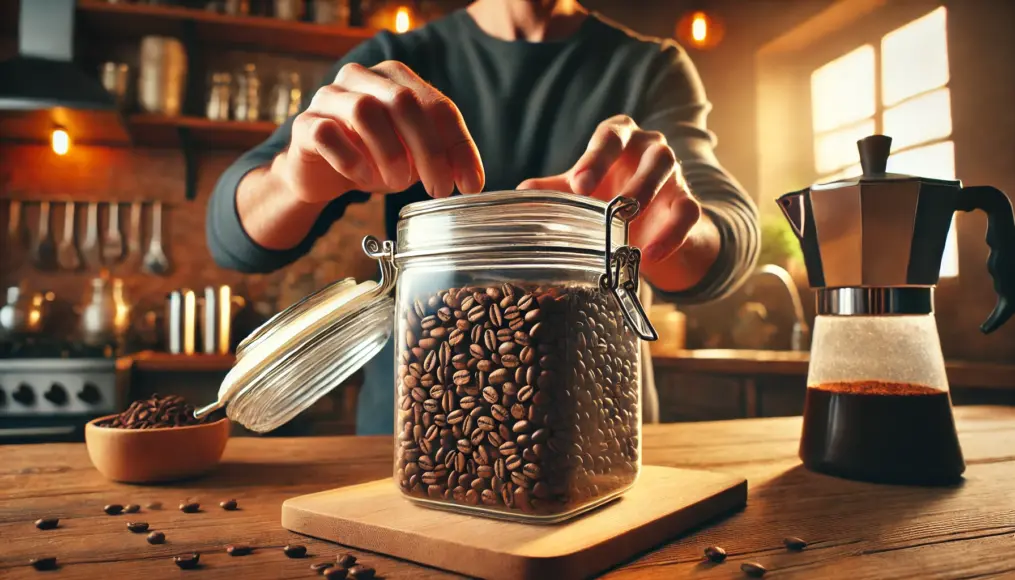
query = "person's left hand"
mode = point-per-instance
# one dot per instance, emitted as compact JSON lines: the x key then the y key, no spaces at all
{"x":623,"y":159}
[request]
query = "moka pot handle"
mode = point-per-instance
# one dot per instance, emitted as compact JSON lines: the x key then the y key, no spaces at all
{"x":1001,"y":240}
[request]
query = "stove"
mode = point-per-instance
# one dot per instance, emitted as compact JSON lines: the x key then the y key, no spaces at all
{"x":50,"y":389}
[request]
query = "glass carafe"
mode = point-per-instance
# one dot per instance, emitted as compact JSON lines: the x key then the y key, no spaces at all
{"x":877,"y":405}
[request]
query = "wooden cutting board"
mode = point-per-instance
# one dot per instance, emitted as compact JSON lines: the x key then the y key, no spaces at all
{"x":664,"y":503}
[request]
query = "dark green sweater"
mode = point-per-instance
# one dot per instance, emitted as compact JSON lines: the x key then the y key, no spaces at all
{"x":532,"y":108}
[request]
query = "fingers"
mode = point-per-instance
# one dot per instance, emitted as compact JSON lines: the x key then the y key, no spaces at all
{"x":668,"y":222}
{"x":656,"y":166}
{"x":605,"y":148}
{"x":553,"y":183}
{"x":325,"y":157}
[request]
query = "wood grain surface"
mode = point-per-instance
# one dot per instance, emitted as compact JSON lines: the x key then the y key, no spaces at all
{"x":856,"y":531}
{"x":665,"y":502}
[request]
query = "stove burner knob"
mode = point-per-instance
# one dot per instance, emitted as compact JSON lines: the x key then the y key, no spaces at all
{"x":90,"y":394}
{"x":3,"y":398}
{"x":56,"y":394}
{"x":24,"y":395}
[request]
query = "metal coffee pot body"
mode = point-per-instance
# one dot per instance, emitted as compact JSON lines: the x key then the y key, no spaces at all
{"x":873,"y":244}
{"x":877,"y":406}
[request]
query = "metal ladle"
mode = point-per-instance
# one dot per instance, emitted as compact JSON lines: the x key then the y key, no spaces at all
{"x":90,"y":250}
{"x":155,"y":261}
{"x":112,"y":246}
{"x":67,"y":253}
{"x":44,"y":252}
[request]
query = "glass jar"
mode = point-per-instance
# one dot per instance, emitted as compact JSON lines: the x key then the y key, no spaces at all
{"x":516,"y":325}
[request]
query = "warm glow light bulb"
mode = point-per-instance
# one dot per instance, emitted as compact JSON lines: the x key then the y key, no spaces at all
{"x":402,"y":20}
{"x":60,"y":141}
{"x":699,"y":27}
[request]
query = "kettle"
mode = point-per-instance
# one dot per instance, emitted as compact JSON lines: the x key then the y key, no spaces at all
{"x":877,"y":406}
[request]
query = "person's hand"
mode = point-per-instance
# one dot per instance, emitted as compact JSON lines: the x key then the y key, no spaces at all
{"x":623,"y":159}
{"x":380,"y":130}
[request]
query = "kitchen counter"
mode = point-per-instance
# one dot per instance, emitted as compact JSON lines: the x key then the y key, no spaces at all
{"x":855,"y":530}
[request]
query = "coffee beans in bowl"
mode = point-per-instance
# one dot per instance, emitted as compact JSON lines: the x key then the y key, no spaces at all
{"x":516,"y":400}
{"x":155,"y":440}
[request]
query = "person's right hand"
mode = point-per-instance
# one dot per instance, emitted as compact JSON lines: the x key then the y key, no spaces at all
{"x":380,"y":130}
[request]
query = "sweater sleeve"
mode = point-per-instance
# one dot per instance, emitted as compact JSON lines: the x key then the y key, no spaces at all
{"x":675,"y":105}
{"x":229,"y":243}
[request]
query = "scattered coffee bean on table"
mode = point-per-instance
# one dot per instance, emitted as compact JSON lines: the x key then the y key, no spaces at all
{"x":295,"y":550}
{"x":346,"y":560}
{"x":228,"y":505}
{"x":113,"y":509}
{"x":753,"y":569}
{"x":335,"y":573}
{"x":522,"y":400}
{"x":48,"y":563}
{"x":360,"y":572}
{"x":320,"y":567}
{"x":156,"y":538}
{"x":190,"y":508}
{"x":715,"y":554}
{"x":132,"y":508}
{"x":794,"y":543}
{"x":137,"y":527}
{"x":239,"y":550}
{"x":155,"y":505}
{"x":158,"y":412}
{"x":47,"y":523}
{"x":187,"y":561}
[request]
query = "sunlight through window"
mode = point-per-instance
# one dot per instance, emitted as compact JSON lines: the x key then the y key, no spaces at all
{"x":914,"y":58}
{"x":843,"y":90}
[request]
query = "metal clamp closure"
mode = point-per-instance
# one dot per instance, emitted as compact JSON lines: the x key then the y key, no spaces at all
{"x":384,"y":253}
{"x":622,"y":270}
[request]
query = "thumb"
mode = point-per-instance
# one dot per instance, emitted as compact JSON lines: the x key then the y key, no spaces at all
{"x":554,"y":182}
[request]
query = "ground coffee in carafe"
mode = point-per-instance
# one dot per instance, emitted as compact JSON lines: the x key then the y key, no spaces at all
{"x":881,"y":432}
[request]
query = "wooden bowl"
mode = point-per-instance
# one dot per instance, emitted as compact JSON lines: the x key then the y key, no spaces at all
{"x":155,"y":455}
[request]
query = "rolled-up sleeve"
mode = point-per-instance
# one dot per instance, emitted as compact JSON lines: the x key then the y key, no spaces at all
{"x":675,"y":105}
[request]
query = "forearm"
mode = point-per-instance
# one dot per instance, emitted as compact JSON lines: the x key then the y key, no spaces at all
{"x":687,"y":266}
{"x":271,"y":216}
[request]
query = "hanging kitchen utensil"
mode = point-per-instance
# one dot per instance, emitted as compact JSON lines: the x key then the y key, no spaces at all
{"x":16,"y":233}
{"x":44,"y":252}
{"x":155,"y":261}
{"x":90,"y":250}
{"x":132,"y":261}
{"x":112,"y":246}
{"x":67,"y":253}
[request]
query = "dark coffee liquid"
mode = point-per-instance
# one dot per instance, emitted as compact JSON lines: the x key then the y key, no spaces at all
{"x":881,"y":432}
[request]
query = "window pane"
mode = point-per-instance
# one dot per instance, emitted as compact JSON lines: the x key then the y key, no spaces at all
{"x":950,"y":259}
{"x":838,"y":148}
{"x":925,"y":118}
{"x":914,"y":58}
{"x":937,"y":161}
{"x":842,"y":91}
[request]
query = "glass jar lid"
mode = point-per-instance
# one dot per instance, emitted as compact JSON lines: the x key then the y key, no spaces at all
{"x":303,"y":352}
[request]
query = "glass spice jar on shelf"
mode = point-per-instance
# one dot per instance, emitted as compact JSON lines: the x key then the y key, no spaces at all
{"x":516,"y":326}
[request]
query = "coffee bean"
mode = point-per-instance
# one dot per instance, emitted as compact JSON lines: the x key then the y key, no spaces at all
{"x":43,"y":564}
{"x":715,"y":554}
{"x":498,"y":412}
{"x":137,"y":527}
{"x":518,"y":411}
{"x":47,"y":523}
{"x":294,"y":550}
{"x":513,"y":462}
{"x":113,"y":509}
{"x":320,"y":567}
{"x":187,"y":561}
{"x":486,"y":423}
{"x":132,"y":508}
{"x":526,"y":302}
{"x":239,"y":550}
{"x":190,"y":507}
{"x":794,"y":543}
{"x":155,"y":505}
{"x":228,"y":505}
{"x":346,"y":560}
{"x":156,"y":538}
{"x":335,"y":573}
{"x":360,"y":572}
{"x":753,"y":569}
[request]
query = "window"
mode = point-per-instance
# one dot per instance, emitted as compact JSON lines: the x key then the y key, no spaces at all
{"x":909,"y":99}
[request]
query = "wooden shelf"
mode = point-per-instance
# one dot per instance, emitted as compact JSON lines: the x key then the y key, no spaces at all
{"x":161,"y":131}
{"x":263,"y":34}
{"x":164,"y":362}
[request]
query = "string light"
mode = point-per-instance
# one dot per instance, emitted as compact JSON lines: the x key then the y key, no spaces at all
{"x":700,"y":30}
{"x":60,"y":140}
{"x":403,"y":22}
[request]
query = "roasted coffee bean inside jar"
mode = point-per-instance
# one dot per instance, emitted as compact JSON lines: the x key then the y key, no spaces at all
{"x":533,"y":399}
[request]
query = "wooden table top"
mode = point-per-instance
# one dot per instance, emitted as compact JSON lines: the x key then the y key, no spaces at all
{"x":856,"y":530}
